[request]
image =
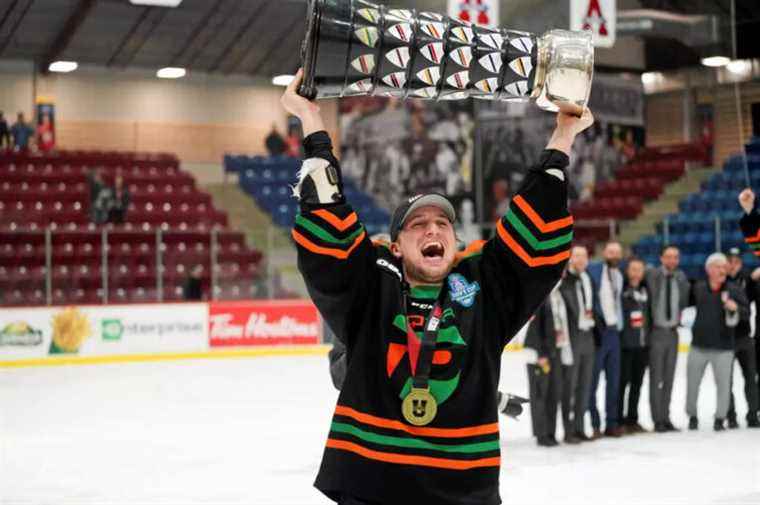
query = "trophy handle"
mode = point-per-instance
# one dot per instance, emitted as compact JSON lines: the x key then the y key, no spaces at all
{"x":309,"y":50}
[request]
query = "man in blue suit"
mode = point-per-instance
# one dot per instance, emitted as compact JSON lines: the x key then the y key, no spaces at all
{"x":608,"y":281}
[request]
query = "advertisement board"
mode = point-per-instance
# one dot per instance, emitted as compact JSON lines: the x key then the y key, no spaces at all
{"x":254,"y":323}
{"x":102,"y":330}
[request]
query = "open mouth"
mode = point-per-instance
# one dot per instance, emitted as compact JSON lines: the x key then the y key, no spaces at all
{"x":433,"y":250}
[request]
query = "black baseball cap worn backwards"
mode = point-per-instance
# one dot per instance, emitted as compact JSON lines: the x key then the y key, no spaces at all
{"x":413,"y":203}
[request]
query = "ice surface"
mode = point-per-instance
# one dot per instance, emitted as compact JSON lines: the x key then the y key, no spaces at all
{"x":251,"y":431}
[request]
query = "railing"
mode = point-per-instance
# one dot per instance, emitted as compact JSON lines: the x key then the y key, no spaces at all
{"x":63,"y":266}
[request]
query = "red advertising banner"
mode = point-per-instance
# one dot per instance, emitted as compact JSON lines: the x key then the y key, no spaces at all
{"x":275,"y":322}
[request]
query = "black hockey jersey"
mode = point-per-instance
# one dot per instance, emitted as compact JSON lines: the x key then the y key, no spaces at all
{"x":372,"y":453}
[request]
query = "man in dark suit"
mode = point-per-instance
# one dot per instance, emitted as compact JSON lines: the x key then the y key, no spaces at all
{"x":670,"y":294}
{"x":545,"y":371}
{"x":608,"y":284}
{"x":578,"y":294}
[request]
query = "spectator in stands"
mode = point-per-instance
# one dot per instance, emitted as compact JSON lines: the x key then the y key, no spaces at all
{"x":294,"y":141}
{"x":101,"y":197}
{"x":670,"y":294}
{"x":745,"y":346}
{"x":274,"y":142}
{"x":547,"y":328}
{"x":608,"y":281}
{"x":720,"y":305}
{"x":21,"y":133}
{"x":120,"y":202}
{"x":5,"y":134}
{"x":634,"y":356}
{"x":193,"y":286}
{"x":577,"y":290}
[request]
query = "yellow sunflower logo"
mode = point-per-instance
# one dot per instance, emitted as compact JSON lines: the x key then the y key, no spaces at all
{"x":70,"y":329}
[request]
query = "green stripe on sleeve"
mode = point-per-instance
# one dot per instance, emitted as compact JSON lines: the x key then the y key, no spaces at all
{"x":539,"y":245}
{"x":413,"y":443}
{"x":324,"y":234}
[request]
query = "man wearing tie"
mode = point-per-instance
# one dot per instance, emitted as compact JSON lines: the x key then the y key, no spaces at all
{"x":670,"y":295}
{"x":608,"y":279}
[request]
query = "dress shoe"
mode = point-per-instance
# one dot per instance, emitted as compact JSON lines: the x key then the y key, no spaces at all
{"x":582,"y":437}
{"x":597,"y":434}
{"x":719,"y":426}
{"x":753,"y":422}
{"x":572,"y":440}
{"x":732,"y":423}
{"x":660,"y":428}
{"x":547,"y":442}
{"x":616,"y":432}
{"x":634,"y":429}
{"x":669,"y":427}
{"x":693,"y":423}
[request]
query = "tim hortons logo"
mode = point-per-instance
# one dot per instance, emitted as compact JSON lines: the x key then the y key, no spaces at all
{"x":257,"y":326}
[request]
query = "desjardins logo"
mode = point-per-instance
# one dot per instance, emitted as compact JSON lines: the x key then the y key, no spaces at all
{"x":111,"y":329}
{"x":20,"y":333}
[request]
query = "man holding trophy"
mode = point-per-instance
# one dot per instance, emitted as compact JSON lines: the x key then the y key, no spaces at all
{"x":417,"y":420}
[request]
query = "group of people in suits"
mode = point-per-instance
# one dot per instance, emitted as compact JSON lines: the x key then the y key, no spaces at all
{"x":621,"y":318}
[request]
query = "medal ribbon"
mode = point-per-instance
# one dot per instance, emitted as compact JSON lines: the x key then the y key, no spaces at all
{"x":421,"y":350}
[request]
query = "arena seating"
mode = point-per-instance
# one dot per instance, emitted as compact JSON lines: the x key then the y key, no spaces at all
{"x":695,"y":226}
{"x":269,"y":181}
{"x":39,"y":192}
{"x":641,"y":180}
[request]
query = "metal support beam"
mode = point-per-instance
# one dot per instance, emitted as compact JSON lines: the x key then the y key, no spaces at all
{"x":15,"y":26}
{"x":158,"y":16}
{"x":191,"y":61}
{"x":246,"y":28}
{"x":8,"y":11}
{"x":143,"y":15}
{"x":66,"y":35}
{"x":205,"y":20}
{"x":288,"y":32}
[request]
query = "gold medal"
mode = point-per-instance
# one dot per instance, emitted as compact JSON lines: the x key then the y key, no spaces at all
{"x":419,"y":407}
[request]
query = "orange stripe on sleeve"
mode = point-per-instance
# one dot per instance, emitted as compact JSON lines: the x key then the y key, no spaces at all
{"x":380,"y":422}
{"x":327,"y":251}
{"x":336,"y":222}
{"x":754,"y":239}
{"x":527,"y":258}
{"x":536,"y":219}
{"x":406,"y":459}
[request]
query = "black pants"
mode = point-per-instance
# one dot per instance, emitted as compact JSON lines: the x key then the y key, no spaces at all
{"x":347,"y":500}
{"x":745,"y":355}
{"x":633,"y":364}
{"x":545,"y":393}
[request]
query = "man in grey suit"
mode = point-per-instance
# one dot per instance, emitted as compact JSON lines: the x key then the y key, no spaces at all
{"x":669,"y":290}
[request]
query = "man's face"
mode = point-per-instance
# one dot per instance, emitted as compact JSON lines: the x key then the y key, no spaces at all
{"x":670,"y":258}
{"x":613,"y":254}
{"x":427,"y":246}
{"x":717,"y":271}
{"x":579,"y":259}
{"x":734,"y":264}
{"x":635,"y":272}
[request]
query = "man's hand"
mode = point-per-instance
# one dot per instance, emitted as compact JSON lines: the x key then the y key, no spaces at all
{"x":305,"y":110}
{"x":747,"y":200}
{"x":755,"y":274}
{"x":544,"y":365}
{"x":731,"y":305}
{"x":568,"y":126}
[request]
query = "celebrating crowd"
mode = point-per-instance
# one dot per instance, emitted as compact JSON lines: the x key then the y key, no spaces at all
{"x":621,"y":318}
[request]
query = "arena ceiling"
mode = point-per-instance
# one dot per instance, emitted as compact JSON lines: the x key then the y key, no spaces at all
{"x":262,"y":37}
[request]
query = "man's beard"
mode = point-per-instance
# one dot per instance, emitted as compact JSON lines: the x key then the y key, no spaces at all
{"x":613,"y":263}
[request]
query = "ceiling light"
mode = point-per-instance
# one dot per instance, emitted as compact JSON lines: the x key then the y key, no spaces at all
{"x":157,"y":3}
{"x":649,"y":78}
{"x":716,"y":61}
{"x":282,"y":80}
{"x":171,"y":73}
{"x":739,"y":66}
{"x":63,"y":66}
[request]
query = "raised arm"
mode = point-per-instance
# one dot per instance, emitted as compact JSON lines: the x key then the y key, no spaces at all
{"x":335,"y":255}
{"x":525,"y":259}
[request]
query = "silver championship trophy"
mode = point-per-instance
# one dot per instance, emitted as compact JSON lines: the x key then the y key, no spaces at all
{"x":353,"y":47}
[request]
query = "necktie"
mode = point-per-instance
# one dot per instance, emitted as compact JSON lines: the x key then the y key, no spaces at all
{"x":668,"y":296}
{"x":583,"y":293}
